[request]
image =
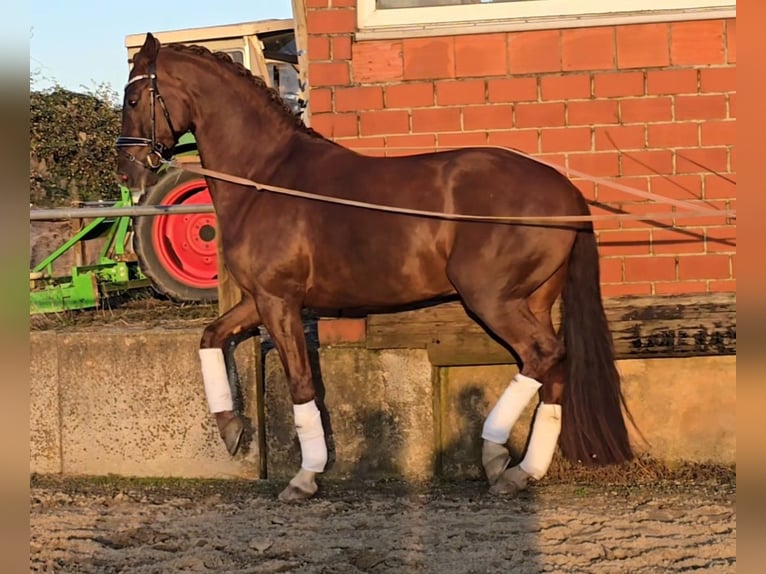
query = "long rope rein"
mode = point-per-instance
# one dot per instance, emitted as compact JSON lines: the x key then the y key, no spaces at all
{"x":693,"y":210}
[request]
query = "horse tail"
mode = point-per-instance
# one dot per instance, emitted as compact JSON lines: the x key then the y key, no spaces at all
{"x":593,"y":428}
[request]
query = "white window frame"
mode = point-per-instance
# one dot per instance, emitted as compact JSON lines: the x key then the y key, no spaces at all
{"x":386,"y":23}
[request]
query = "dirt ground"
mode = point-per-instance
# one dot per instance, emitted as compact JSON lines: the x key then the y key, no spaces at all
{"x":121,"y":525}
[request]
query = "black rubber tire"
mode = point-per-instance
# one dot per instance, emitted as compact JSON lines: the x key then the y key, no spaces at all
{"x":150,"y":263}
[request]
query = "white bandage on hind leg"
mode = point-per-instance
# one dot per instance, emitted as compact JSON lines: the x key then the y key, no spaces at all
{"x":217,"y":389}
{"x":308,"y":424}
{"x":542,"y":443}
{"x":508,"y":408}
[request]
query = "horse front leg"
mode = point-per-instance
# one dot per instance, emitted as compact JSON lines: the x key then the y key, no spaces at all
{"x":238,"y":320}
{"x":283,"y":320}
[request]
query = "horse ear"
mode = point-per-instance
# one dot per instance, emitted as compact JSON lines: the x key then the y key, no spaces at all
{"x":150,"y":48}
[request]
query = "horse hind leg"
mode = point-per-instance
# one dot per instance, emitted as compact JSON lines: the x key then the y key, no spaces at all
{"x":532,"y":337}
{"x":239,"y":320}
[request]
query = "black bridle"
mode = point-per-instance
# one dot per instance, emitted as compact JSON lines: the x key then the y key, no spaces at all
{"x":158,"y":149}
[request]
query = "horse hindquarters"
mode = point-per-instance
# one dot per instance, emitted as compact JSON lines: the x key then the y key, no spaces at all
{"x":593,"y":429}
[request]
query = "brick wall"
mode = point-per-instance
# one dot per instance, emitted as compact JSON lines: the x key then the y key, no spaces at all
{"x":664,"y":93}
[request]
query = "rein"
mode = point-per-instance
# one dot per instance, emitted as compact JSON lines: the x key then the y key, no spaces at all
{"x":532,"y":220}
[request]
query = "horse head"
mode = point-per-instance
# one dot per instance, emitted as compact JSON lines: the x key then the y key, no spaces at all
{"x":154,"y":116}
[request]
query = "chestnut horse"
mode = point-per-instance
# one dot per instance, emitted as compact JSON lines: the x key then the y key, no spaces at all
{"x":287,"y":254}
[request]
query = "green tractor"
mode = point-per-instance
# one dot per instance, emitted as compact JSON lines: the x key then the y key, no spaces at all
{"x":177,"y":254}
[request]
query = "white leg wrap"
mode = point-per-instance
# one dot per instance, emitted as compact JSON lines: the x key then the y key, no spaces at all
{"x":508,"y":408}
{"x":308,"y":424}
{"x":542,"y":443}
{"x":217,"y":389}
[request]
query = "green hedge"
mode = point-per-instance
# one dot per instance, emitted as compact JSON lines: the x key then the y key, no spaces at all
{"x":72,"y":154}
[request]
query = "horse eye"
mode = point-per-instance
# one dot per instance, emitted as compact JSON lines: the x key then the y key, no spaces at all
{"x":132,"y":103}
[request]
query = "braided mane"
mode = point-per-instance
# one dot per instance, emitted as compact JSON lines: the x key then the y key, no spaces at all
{"x":260,"y":84}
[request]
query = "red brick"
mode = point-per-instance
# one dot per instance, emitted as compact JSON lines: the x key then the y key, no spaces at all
{"x":723,"y":286}
{"x":429,"y":58}
{"x":364,"y":98}
{"x":650,"y":269}
{"x":341,"y":48}
{"x":732,"y":107}
{"x":685,"y":187}
{"x":592,"y":112}
{"x":657,"y":214}
{"x":613,"y":84}
{"x":410,"y":144}
{"x":339,"y":331}
{"x":512,"y":90}
{"x":680,"y":288}
{"x":436,"y":120}
{"x":700,"y":107}
{"x":696,"y":42}
{"x":642,"y":46}
{"x":731,"y":41}
{"x":587,"y":48}
{"x":700,"y":221}
{"x":721,"y":239}
{"x":655,"y":161}
{"x":523,"y":140}
{"x":703,"y":267}
{"x":677,"y":241}
{"x":597,"y":164}
{"x":384,"y":122}
{"x":557,"y":161}
{"x":718,"y":188}
{"x":569,"y":87}
{"x":464,"y":139}
{"x":732,"y":159}
{"x":460,"y":92}
{"x":343,"y":3}
{"x":607,"y":193}
{"x":366,"y":146}
{"x":610,"y":270}
{"x":623,"y":242}
{"x":317,"y":3}
{"x":539,"y":115}
{"x":671,"y":82}
{"x":588,"y":190}
{"x":335,"y":125}
{"x":480,"y":55}
{"x":320,"y":100}
{"x":329,"y":73}
{"x":318,"y":48}
{"x":711,"y":159}
{"x":534,"y":51}
{"x":718,"y":79}
{"x":565,"y":139}
{"x":330,"y":21}
{"x":624,"y":137}
{"x":680,"y":134}
{"x":410,"y":95}
{"x":719,"y":133}
{"x":642,"y":110}
{"x":377,"y":61}
{"x":626,"y":289}
{"x":487,"y":117}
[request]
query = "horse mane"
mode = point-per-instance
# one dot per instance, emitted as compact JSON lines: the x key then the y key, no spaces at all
{"x":260,"y":84}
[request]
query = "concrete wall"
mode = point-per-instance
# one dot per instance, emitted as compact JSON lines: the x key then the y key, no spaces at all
{"x":130,"y":402}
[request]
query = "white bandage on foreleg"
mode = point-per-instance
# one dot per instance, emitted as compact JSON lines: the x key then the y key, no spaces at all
{"x":542,"y":443}
{"x":217,"y":389}
{"x":308,"y":424}
{"x":508,"y":408}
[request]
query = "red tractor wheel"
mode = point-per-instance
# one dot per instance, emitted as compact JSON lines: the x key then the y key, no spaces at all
{"x":179,"y":252}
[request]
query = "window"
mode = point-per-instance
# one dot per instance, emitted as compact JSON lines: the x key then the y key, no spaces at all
{"x":398,"y":18}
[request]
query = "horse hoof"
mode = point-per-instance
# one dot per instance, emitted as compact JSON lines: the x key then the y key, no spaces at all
{"x":510,"y":483}
{"x":232,"y":434}
{"x":302,"y":487}
{"x":495,"y":459}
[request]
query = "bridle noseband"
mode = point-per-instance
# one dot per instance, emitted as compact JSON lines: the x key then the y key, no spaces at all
{"x":158,"y":149}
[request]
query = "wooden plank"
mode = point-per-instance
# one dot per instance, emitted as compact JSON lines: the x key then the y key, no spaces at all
{"x":659,"y":326}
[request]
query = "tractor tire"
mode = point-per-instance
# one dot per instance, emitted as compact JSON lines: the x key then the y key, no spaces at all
{"x":178,"y":253}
